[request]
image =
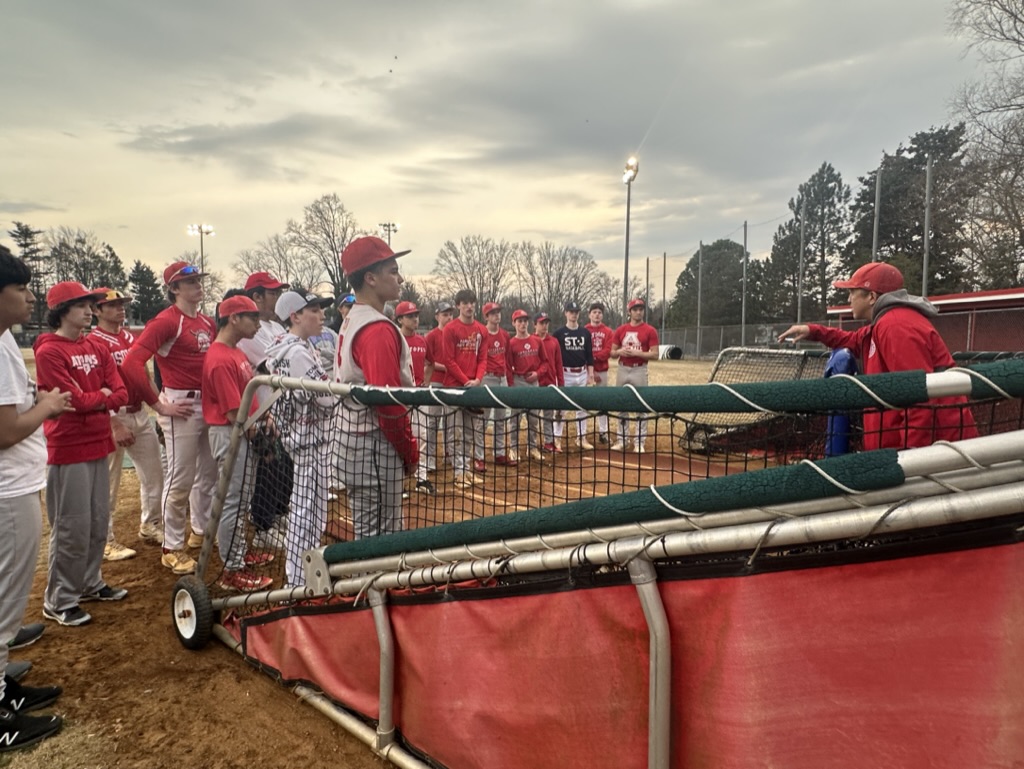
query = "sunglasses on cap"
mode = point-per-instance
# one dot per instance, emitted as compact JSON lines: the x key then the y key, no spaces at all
{"x":189,"y":270}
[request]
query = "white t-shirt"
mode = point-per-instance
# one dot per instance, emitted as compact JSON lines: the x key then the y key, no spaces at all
{"x":23,"y":466}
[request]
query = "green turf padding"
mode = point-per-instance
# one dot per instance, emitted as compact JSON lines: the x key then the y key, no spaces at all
{"x":774,"y":486}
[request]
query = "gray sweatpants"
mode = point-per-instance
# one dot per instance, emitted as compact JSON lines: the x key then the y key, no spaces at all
{"x":307,"y":514}
{"x":21,"y":527}
{"x":78,"y":509}
{"x":498,"y":416}
{"x":231,"y":529}
{"x":636,"y":376}
{"x":534,"y":439}
{"x":372,"y":472}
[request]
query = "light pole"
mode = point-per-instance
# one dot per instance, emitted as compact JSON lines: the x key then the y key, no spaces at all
{"x":386,"y":228}
{"x":628,"y":175}
{"x":202,"y":230}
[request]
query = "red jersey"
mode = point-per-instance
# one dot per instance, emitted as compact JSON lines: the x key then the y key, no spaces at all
{"x":463,"y":352}
{"x":642,"y":337}
{"x":497,"y":352}
{"x":526,"y":354}
{"x":601,"y":335}
{"x":418,"y":350}
{"x":118,"y":344}
{"x":435,"y":342}
{"x":83,"y":368}
{"x":551,"y":372}
{"x":226,"y":372}
{"x":180,"y":341}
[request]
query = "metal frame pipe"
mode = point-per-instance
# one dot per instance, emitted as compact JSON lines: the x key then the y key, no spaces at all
{"x":659,"y":685}
{"x":386,"y":640}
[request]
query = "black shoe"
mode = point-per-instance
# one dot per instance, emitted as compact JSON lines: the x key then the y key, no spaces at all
{"x":18,"y":731}
{"x":72,"y":617}
{"x":22,"y":699}
{"x":18,"y":669}
{"x":26,"y":636}
{"x":602,"y":438}
{"x":425,"y":487}
{"x":106,"y":593}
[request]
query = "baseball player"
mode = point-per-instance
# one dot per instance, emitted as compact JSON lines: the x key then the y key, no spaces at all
{"x":434,"y":372}
{"x":601,"y":338}
{"x":133,"y":431}
{"x":577,"y":368}
{"x":226,"y":372}
{"x":465,"y":359}
{"x":633,"y":345}
{"x":527,"y":362}
{"x":180,"y":336}
{"x":552,"y":374}
{"x":497,"y":374}
{"x":377,"y":447}
{"x":407,"y":315}
{"x":77,"y":446}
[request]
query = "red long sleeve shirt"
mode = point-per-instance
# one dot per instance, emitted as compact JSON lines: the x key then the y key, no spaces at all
{"x":418,"y":350}
{"x":435,"y":344}
{"x":497,"y":353}
{"x":601,"y":335}
{"x":180,"y":341}
{"x":551,"y":369}
{"x":463,"y":352}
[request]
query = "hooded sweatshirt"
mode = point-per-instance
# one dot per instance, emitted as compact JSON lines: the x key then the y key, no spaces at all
{"x":303,"y":418}
{"x":82,"y":367}
{"x":901,"y":337}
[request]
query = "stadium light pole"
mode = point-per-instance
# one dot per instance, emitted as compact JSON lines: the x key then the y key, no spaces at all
{"x":628,"y":175}
{"x":386,"y":228}
{"x":202,"y":230}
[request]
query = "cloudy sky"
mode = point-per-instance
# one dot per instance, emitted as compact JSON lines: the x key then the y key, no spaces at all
{"x":510,"y":120}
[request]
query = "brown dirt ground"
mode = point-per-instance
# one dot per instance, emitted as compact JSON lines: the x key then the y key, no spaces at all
{"x":134,"y":697}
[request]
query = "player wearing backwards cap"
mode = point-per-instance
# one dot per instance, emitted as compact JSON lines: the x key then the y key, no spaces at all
{"x":344,"y":302}
{"x":577,"y":367}
{"x":180,"y":336}
{"x":407,"y":315}
{"x":601,"y":337}
{"x":634,"y":343}
{"x":274,"y":470}
{"x":465,"y":359}
{"x":23,"y":409}
{"x":377,"y":447}
{"x":226,"y":372}
{"x":434,"y":372}
{"x":498,"y":373}
{"x":304,"y":421}
{"x":77,"y":445}
{"x":527,"y":362}
{"x":552,"y":374}
{"x":898,"y":337}
{"x":133,"y":431}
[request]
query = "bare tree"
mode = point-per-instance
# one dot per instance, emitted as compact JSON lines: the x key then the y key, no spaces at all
{"x":279,"y":256}
{"x":76,"y":254}
{"x":550,"y":275}
{"x":326,"y":228}
{"x":477,"y":263}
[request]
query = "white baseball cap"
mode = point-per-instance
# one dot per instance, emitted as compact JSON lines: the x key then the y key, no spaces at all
{"x":293,"y":301}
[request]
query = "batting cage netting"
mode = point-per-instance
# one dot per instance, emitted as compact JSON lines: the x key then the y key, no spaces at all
{"x":783,"y":460}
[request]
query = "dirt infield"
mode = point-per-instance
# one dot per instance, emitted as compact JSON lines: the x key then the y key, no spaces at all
{"x":134,"y":697}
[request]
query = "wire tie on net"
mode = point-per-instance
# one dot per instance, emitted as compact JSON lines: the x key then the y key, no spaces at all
{"x":762,"y":540}
{"x":963,"y":454}
{"x":742,"y":398}
{"x":982,"y":378}
{"x":881,"y":519}
{"x":678,"y":511}
{"x":432,"y":554}
{"x":639,"y":397}
{"x":508,"y":549}
{"x":868,"y":390}
{"x":489,"y":391}
{"x":829,"y":478}
{"x":568,"y":400}
{"x":544,"y":542}
{"x":944,"y":484}
{"x":597,"y":537}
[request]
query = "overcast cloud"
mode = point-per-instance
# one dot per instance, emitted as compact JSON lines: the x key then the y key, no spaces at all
{"x":508,"y":120}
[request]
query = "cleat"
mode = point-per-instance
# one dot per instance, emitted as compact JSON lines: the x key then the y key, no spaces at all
{"x":243,"y":581}
{"x":271,"y":539}
{"x":115,"y":551}
{"x":106,"y":593}
{"x":535,"y":455}
{"x":254,"y":559}
{"x":549,"y":448}
{"x":603,"y":439}
{"x":425,"y":487}
{"x":178,"y":561}
{"x":479,"y":466}
{"x":150,"y":532}
{"x":586,"y":445}
{"x":406,"y":495}
{"x":618,"y":446}
{"x":463,"y":482}
{"x":558,"y":445}
{"x":72,"y":617}
{"x":639,"y":448}
{"x":195,"y":540}
{"x":513,"y":456}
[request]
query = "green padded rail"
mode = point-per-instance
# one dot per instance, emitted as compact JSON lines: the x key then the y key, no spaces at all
{"x":776,"y":485}
{"x":900,"y":390}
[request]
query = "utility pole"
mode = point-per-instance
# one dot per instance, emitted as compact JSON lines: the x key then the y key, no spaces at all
{"x":386,"y":228}
{"x":802,"y":266}
{"x":743,"y":301}
{"x":927,"y":225}
{"x":664,"y":291}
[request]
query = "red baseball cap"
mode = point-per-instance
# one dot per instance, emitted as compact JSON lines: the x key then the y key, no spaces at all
{"x":263,"y":280}
{"x":366,"y":252}
{"x":406,"y":308}
{"x":69,"y":291}
{"x":234,"y":305}
{"x":112,"y":295}
{"x":636,"y":303}
{"x":880,"y":277}
{"x":520,"y":314}
{"x":491,"y":307}
{"x":181,"y":270}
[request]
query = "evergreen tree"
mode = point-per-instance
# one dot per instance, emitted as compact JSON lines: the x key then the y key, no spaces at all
{"x":144,"y":286}
{"x":30,"y":248}
{"x":721,"y":287}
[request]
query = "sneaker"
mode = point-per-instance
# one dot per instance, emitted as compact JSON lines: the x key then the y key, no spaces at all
{"x":536,"y":456}
{"x":178,"y":561}
{"x":479,"y":466}
{"x":618,"y":446}
{"x":332,"y":497}
{"x":24,"y":699}
{"x":115,"y":551}
{"x":26,"y":635}
{"x":72,"y":617}
{"x":406,"y":495}
{"x":243,"y":581}
{"x":150,"y":532}
{"x":195,"y":540}
{"x":106,"y":593}
{"x":558,"y":445}
{"x":513,"y":456}
{"x":257,"y":558}
{"x":463,"y":481}
{"x":506,"y":461}
{"x":425,"y":487}
{"x":271,"y":539}
{"x":549,"y":448}
{"x":18,"y":669}
{"x":586,"y":445}
{"x":639,"y":448}
{"x":19,"y":731}
{"x":603,"y":439}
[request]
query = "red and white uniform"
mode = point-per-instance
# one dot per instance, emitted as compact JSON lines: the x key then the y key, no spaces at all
{"x":526,"y":356}
{"x":551,"y":373}
{"x":181,"y":342}
{"x":497,"y":373}
{"x":465,"y":356}
{"x":418,"y":350}
{"x":633,"y":371}
{"x":226,"y":372}
{"x":420,"y":418}
{"x":601,"y":335}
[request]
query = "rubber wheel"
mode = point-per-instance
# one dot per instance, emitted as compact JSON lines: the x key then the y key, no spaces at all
{"x":192,"y":612}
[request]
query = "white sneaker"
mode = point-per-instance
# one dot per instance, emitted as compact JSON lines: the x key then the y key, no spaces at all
{"x":558,"y":444}
{"x":639,"y":448}
{"x":618,"y":446}
{"x":535,"y":455}
{"x":586,"y":445}
{"x":150,"y":532}
{"x":463,"y":482}
{"x":513,"y":455}
{"x":195,"y":540}
{"x":271,"y":539}
{"x":115,"y":551}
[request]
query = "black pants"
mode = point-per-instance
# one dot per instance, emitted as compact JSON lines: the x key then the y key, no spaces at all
{"x":273,"y":486}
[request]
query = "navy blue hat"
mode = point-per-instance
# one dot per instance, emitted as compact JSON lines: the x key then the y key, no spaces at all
{"x":572,"y":306}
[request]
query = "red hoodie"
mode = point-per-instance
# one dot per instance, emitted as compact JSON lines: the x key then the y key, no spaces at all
{"x":81,"y":367}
